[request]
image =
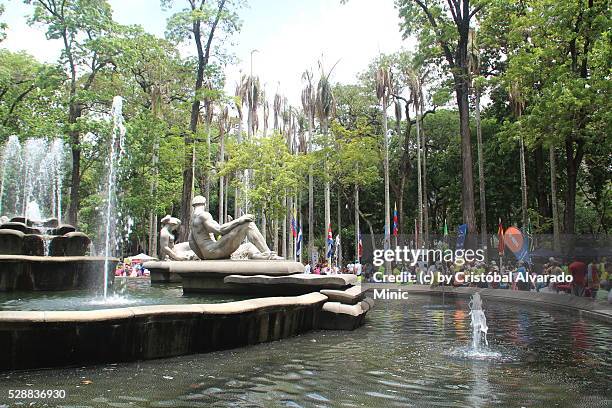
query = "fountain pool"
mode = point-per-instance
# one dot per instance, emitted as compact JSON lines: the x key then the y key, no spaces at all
{"x":124,"y":293}
{"x":405,"y":355}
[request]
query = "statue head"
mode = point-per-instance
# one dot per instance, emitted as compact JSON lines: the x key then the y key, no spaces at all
{"x":171,"y":222}
{"x":198,"y":201}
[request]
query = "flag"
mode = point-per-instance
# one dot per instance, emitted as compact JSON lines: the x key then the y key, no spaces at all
{"x":500,"y":236}
{"x":330,"y":242}
{"x":445,"y":229}
{"x":298,"y":244}
{"x":359,"y":247}
{"x":517,"y":241}
{"x":462,"y":231}
{"x":395,"y":221}
{"x":294,"y":225}
{"x":338,"y":249}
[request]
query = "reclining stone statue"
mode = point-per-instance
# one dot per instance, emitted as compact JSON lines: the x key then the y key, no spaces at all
{"x":168,"y":249}
{"x":204,"y":230}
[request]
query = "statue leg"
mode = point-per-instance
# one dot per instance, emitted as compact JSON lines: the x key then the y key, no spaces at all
{"x":256,"y":238}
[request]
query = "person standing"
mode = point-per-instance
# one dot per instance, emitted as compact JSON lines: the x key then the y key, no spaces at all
{"x":578,"y":271}
{"x":592,"y":279}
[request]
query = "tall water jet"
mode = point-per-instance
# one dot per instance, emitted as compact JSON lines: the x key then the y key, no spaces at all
{"x":11,"y":168}
{"x":32,"y":172}
{"x":116,"y":153}
{"x":478,"y":323}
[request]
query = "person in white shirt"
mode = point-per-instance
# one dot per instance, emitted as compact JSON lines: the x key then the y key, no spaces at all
{"x":307,"y":268}
{"x":357,"y":268}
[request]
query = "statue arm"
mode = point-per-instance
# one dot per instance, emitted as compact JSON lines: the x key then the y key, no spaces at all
{"x":228,"y":226}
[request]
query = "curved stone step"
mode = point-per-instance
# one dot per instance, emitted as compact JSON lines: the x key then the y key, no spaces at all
{"x":350,"y":296}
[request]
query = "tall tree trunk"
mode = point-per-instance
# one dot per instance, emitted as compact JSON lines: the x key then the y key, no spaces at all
{"x":326,"y":197}
{"x":208,"y":164}
{"x":310,"y":196}
{"x":155,"y":108}
{"x":481,"y":177}
{"x":357,"y":231}
{"x":462,"y":92}
{"x":339,"y":217}
{"x":425,"y":197}
{"x":284,"y":218}
{"x":572,"y":164}
{"x":540,"y":183}
{"x":237,"y":204}
{"x":419,"y":179}
{"x":290,"y":246}
{"x":75,"y":181}
{"x":221,"y":178}
{"x":386,"y":171}
{"x":523,"y":183}
{"x":553,"y":198}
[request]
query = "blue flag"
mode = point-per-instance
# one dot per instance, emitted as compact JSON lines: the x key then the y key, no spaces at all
{"x":298,"y":244}
{"x":330,"y":243}
{"x":461,"y":234}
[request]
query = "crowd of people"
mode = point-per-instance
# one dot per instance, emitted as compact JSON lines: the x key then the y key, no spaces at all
{"x":132,"y":270}
{"x":323,"y":268}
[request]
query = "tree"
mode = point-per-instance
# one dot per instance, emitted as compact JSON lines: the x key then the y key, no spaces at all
{"x":325,"y":107}
{"x":384,"y":87}
{"x":476,"y":85}
{"x":85,"y":28}
{"x":443,"y":31}
{"x":309,"y":108}
{"x":30,"y":96}
{"x":155,"y":68}
{"x":203,"y":21}
{"x":3,"y":26}
{"x":560,"y":51}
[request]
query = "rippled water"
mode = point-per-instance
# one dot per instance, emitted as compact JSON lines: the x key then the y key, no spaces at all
{"x":124,"y":293}
{"x":409,"y":354}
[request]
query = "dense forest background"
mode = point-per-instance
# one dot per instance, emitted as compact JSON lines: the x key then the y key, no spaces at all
{"x":502,"y":112}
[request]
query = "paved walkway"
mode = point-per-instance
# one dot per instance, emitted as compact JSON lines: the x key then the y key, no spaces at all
{"x":586,"y":306}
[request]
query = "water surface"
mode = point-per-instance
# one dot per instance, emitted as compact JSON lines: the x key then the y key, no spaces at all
{"x":125,"y":292}
{"x":409,"y":354}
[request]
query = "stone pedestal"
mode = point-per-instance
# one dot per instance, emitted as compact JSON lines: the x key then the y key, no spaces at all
{"x":208,"y":276}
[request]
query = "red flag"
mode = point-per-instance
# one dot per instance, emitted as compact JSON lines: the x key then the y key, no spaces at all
{"x":500,"y":236}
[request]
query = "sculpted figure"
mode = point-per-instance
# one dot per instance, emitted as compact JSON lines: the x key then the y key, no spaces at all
{"x":168,"y":249}
{"x":204,"y":229}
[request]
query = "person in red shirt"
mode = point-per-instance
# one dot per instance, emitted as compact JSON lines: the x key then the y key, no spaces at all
{"x":578,"y":271}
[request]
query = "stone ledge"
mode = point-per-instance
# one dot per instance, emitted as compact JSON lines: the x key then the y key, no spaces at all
{"x":54,"y":259}
{"x":64,"y":338}
{"x":323,"y":281}
{"x":338,"y":316}
{"x":84,"y":316}
{"x":350,"y":296}
{"x":229,"y":267}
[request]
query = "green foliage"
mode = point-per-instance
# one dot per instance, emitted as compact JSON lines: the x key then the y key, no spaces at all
{"x":30,"y":103}
{"x":275,"y":171}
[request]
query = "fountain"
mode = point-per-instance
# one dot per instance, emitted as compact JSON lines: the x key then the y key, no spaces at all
{"x":31,"y":178}
{"x":114,"y":160}
{"x":478,"y":323}
{"x":37,"y":252}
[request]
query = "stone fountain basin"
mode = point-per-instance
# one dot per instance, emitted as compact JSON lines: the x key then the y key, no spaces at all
{"x":53,"y":273}
{"x":37,"y":339}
